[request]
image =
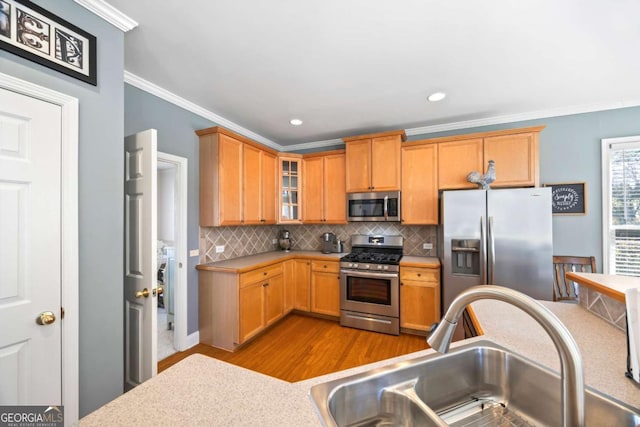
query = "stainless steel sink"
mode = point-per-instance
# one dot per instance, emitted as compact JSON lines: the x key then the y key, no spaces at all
{"x":475,"y":384}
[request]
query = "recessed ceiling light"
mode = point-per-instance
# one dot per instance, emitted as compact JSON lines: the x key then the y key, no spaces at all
{"x":295,"y":122}
{"x":437,"y":96}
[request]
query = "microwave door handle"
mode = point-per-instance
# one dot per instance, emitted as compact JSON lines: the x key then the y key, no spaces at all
{"x":386,"y":207}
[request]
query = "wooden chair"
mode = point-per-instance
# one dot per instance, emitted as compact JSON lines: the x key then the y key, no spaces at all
{"x":564,"y":290}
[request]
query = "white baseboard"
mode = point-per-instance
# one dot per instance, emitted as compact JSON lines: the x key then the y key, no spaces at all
{"x":192,"y":340}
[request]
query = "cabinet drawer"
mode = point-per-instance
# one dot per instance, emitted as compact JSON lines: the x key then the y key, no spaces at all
{"x":420,"y":274}
{"x":328,"y":266}
{"x":264,"y":273}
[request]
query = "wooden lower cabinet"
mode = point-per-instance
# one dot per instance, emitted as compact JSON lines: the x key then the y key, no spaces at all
{"x":260,"y":303}
{"x":235,"y":307}
{"x":419,"y":297}
{"x":325,"y":288}
{"x":274,"y":300}
{"x":251,"y":311}
{"x":302,"y":285}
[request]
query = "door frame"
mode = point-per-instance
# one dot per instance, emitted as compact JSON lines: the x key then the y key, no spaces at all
{"x":69,"y":234}
{"x":180,"y":303}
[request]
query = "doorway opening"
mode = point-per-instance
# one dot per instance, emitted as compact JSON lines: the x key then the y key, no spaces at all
{"x":171,"y":253}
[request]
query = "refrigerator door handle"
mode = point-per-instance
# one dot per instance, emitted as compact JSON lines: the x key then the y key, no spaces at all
{"x":483,"y":250}
{"x":491,"y":251}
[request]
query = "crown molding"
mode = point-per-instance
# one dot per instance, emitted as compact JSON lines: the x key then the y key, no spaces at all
{"x":109,"y":13}
{"x":511,"y":118}
{"x":171,"y":97}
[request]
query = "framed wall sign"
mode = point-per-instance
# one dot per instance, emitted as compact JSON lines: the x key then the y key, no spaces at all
{"x":568,"y":198}
{"x":30,"y":31}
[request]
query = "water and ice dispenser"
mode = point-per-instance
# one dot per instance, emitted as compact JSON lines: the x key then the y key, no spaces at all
{"x":465,"y":256}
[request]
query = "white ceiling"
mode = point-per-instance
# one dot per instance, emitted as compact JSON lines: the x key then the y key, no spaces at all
{"x":348,"y":67}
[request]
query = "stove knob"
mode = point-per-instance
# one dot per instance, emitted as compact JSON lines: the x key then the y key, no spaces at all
{"x":355,"y":265}
{"x":350,"y":265}
{"x":386,"y":267}
{"x":366,"y":267}
{"x":380,"y":267}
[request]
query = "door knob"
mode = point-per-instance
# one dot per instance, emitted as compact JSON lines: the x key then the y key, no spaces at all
{"x":142,"y":293}
{"x":46,"y":318}
{"x":160,"y":290}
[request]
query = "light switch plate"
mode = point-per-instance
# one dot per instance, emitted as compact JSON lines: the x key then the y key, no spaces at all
{"x":427,"y":246}
{"x":219,"y":249}
{"x":194,"y":252}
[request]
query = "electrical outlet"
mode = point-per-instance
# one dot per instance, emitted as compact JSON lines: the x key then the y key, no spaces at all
{"x":194,"y":252}
{"x":427,"y":246}
{"x":274,"y":241}
{"x":219,"y":249}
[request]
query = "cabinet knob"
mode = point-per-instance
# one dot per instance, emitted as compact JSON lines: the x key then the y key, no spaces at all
{"x":265,"y":273}
{"x":324,"y":266}
{"x":419,"y":274}
{"x":264,"y":285}
{"x":401,"y":284}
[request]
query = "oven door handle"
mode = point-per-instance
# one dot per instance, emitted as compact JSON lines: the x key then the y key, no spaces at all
{"x":369,"y":273}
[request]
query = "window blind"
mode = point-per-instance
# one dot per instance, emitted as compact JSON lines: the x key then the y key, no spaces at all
{"x":624,"y":230}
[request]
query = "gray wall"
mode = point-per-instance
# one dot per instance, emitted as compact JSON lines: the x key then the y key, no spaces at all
{"x":100,"y":200}
{"x":570,"y":151}
{"x":176,"y":135}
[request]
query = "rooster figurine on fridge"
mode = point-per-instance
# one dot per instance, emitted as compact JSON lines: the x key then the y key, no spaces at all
{"x":485,"y":180}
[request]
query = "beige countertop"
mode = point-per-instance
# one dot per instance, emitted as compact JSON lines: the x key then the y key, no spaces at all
{"x":205,"y":391}
{"x":251,"y":262}
{"x":611,"y":285}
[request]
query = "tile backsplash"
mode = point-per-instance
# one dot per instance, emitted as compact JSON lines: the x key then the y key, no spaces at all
{"x":249,"y":240}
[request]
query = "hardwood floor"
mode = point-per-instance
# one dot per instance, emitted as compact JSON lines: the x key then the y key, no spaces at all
{"x":301,"y":347}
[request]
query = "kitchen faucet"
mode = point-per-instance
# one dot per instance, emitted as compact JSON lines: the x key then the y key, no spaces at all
{"x":570,"y":360}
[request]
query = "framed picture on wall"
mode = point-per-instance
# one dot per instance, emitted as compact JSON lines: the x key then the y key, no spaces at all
{"x":568,"y":198}
{"x":32,"y":32}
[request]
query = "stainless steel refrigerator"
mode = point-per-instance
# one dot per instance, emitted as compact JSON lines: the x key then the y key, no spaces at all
{"x":500,"y":237}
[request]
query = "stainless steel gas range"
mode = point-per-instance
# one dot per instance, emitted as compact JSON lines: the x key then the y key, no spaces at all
{"x":370,"y":284}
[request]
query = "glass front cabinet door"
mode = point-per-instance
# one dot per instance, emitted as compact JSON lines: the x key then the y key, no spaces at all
{"x":290,"y":183}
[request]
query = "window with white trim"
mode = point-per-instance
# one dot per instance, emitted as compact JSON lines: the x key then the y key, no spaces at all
{"x":621,"y":205}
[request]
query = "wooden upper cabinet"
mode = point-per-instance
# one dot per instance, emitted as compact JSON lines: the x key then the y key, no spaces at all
{"x":373,"y":162}
{"x":515,"y":152}
{"x":358,"y":166}
{"x":220,"y":179}
{"x":251,"y":182}
{"x":237,"y":180}
{"x":268,"y":170}
{"x":312,"y":190}
{"x":259,"y":186}
{"x":335,"y":196}
{"x":386,"y":162}
{"x":419,"y":184}
{"x":516,"y":158}
{"x":455,"y":160}
{"x":324,"y":196}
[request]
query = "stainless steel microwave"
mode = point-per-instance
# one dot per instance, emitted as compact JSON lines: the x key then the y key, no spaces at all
{"x":374,"y":206}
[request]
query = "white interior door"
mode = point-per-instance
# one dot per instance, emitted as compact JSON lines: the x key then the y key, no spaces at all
{"x":30,"y":251}
{"x":140,"y":270}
